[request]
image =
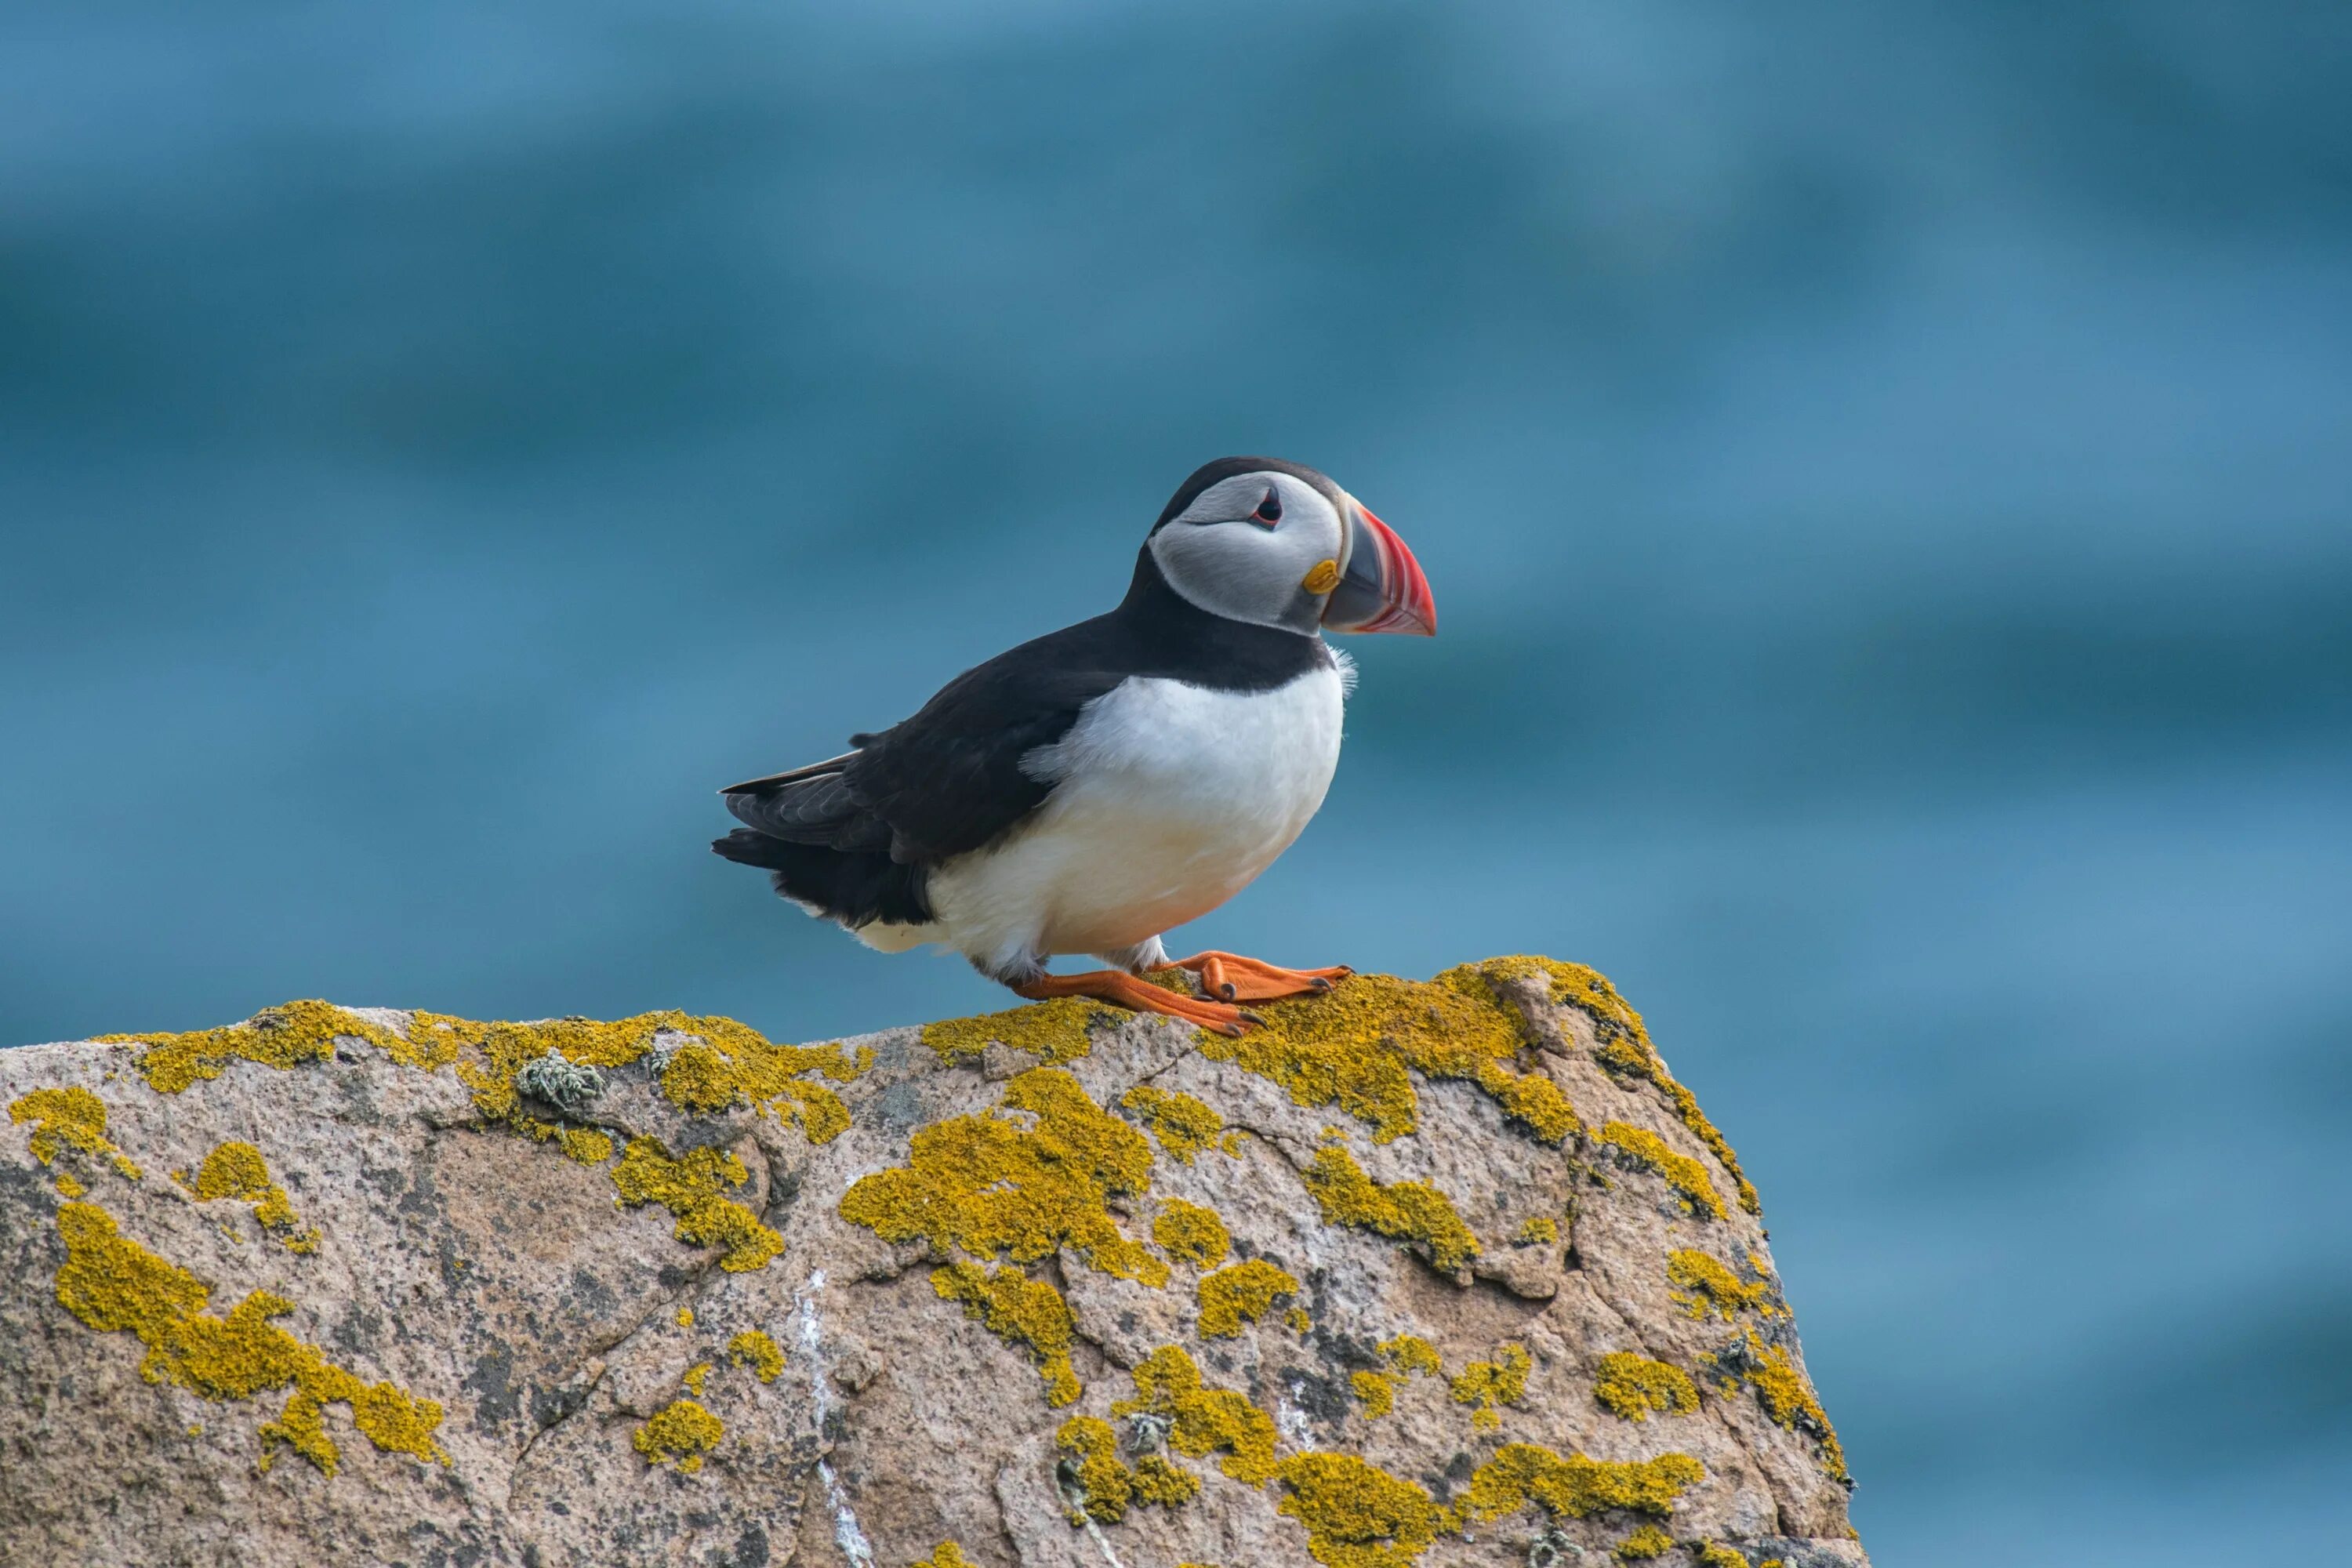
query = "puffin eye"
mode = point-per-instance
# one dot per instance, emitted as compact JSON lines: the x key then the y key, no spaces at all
{"x":1269,"y":511}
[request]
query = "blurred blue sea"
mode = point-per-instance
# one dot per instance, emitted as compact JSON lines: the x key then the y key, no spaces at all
{"x":1884,"y":471}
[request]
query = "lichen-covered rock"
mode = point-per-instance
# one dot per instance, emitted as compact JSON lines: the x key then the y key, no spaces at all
{"x":1421,"y":1275}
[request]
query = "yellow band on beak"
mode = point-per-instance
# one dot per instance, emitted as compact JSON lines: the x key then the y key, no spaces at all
{"x":1323,"y":579}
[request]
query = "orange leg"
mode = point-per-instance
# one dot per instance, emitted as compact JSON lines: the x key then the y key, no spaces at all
{"x":1230,"y":977}
{"x":1111,"y":986}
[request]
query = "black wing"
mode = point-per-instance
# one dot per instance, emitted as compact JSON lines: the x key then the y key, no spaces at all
{"x":949,"y":780}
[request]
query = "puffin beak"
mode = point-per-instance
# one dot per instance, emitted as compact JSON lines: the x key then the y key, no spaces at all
{"x":1382,"y":589}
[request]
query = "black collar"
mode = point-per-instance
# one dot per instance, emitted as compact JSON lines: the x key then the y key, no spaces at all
{"x":1165,"y":634}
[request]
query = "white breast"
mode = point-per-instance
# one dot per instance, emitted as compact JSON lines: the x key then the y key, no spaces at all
{"x":1169,"y":799}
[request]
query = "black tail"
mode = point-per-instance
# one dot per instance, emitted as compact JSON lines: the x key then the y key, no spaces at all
{"x":855,"y":888}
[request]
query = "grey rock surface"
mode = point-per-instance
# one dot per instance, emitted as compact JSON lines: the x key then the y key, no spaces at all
{"x":475,"y":1326}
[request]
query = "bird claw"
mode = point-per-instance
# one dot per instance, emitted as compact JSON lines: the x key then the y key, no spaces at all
{"x":1127,"y":991}
{"x":1228,"y":977}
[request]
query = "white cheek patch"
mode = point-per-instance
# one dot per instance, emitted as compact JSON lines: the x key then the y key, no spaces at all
{"x":1246,"y":571}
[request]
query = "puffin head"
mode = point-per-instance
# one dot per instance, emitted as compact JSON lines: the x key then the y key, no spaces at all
{"x":1277,"y":544}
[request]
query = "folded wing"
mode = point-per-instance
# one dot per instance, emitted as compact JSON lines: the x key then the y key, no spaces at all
{"x":851,"y":837}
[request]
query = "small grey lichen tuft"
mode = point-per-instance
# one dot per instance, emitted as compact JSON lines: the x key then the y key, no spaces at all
{"x":571,"y":1087}
{"x":1553,"y":1549}
{"x":1147,"y":1431}
{"x":666,"y":1044}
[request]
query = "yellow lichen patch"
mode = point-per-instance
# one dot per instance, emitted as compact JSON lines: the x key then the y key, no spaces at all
{"x":1632,"y":1385}
{"x":1019,"y":1310}
{"x":822,"y":1115}
{"x":1483,"y":1384}
{"x":1708,"y":1286}
{"x":697,"y":1079}
{"x":726,"y":1063}
{"x":1190,"y":1232}
{"x":70,"y":1187}
{"x":1158,"y":1481}
{"x":1357,"y":1515}
{"x":1353,"y":1046}
{"x":1573,"y":1486}
{"x":1241,"y":1294}
{"x":432,"y":1042}
{"x":1106,"y":1488}
{"x":993,"y":1182}
{"x":69,"y":1117}
{"x":1105,"y":1485}
{"x":693,"y":1377}
{"x":281,"y":1037}
{"x":735,"y":1062}
{"x":62,"y":1117}
{"x":1790,"y":1400}
{"x":1538,"y":1231}
{"x":947,"y":1555}
{"x":237,"y":1170}
{"x":1411,"y":1353}
{"x":1531,"y":1099}
{"x":1640,"y":1146}
{"x":754,"y":1349}
{"x":693,"y":1189}
{"x":115,"y":1286}
{"x":1300,"y":1319}
{"x":1185,"y":1126}
{"x":1406,"y":1355}
{"x":684,"y":1317}
{"x":536,"y":1128}
{"x":1715,"y":1554}
{"x":1054,"y":1032}
{"x":1203,"y":1421}
{"x":1625,"y":1047}
{"x":1403,"y":1211}
{"x":680,"y":1431}
{"x":1645,"y":1543}
{"x":1361,"y":1517}
{"x":586,"y":1145}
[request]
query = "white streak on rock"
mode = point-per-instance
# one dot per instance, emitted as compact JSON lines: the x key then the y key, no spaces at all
{"x":1108,"y":1555}
{"x":846,"y":1534}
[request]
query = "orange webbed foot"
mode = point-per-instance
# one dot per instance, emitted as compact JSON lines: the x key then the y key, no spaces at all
{"x":1127,"y":991}
{"x":1230,"y":977}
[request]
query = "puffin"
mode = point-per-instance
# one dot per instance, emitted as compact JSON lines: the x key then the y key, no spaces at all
{"x":1094,"y":788}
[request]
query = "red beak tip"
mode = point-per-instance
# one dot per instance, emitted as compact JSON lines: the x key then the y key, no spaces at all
{"x":1410,"y":610}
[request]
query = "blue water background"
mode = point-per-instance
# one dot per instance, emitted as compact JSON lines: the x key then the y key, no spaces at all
{"x":1884,"y":471}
